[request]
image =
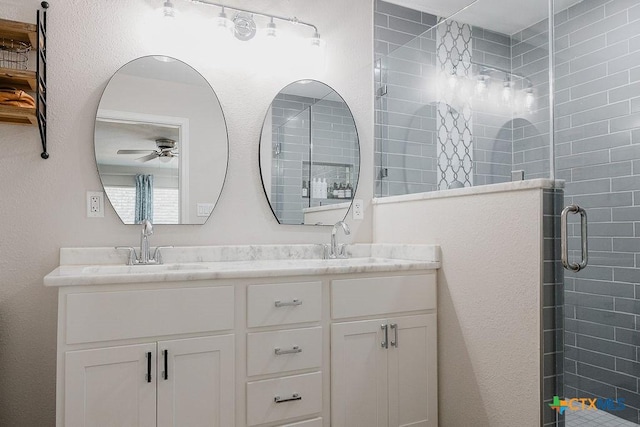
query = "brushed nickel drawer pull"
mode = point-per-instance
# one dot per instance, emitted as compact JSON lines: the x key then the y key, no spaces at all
{"x":293,"y":303}
{"x":293,"y":350}
{"x":294,"y":396}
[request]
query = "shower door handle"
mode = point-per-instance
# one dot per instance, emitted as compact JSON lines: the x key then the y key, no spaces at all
{"x":574,"y":266}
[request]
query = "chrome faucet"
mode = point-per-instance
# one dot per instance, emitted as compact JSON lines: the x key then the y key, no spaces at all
{"x":147,"y":230}
{"x":144,"y":256}
{"x":335,"y":250}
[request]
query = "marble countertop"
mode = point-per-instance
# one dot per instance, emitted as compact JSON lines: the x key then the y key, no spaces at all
{"x":99,"y":266}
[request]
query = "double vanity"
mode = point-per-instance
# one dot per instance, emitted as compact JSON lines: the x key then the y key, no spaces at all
{"x":248,"y":336}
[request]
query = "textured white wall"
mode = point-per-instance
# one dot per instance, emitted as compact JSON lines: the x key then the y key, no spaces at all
{"x":42,"y":203}
{"x":488,"y":300}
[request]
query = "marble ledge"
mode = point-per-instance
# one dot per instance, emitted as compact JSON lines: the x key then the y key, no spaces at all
{"x":96,"y":266}
{"x":528,"y":184}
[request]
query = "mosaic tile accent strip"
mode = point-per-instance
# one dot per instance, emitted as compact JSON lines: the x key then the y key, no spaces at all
{"x":455,"y":136}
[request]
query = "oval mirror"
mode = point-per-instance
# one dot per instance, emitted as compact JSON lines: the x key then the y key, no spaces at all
{"x":161,"y":143}
{"x":309,"y":155}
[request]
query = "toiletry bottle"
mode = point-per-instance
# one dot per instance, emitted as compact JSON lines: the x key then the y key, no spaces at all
{"x":348,"y":192}
{"x":335,"y":190}
{"x":305,"y":190}
{"x":341,"y":191}
{"x":323,"y":186}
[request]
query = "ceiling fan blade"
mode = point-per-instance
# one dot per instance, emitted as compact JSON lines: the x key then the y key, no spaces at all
{"x":149,"y":157}
{"x":134,"y":151}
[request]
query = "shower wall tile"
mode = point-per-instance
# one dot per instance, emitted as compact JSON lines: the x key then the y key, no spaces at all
{"x":333,"y":127}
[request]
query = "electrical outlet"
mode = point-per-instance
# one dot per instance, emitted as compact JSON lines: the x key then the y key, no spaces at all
{"x":358,"y":209}
{"x":95,"y":204}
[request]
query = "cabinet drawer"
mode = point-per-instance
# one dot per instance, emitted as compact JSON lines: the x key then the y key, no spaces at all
{"x":262,"y":395}
{"x":103,"y":316}
{"x":316,"y":422}
{"x":382,"y":295}
{"x":283,"y":304}
{"x":296,"y":349}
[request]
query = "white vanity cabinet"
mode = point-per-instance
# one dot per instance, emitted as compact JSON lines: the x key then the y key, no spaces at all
{"x":384,"y":370}
{"x":115,"y":366}
{"x":292,"y":357}
{"x":324,"y":347}
{"x":168,"y":383}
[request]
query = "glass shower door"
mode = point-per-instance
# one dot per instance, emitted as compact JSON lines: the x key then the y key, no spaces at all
{"x":597,"y":153}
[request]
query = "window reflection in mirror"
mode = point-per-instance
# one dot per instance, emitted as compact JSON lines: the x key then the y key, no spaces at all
{"x":309,"y":155}
{"x":161,"y":143}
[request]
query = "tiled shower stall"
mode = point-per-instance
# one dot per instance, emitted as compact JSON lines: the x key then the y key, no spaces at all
{"x":463,"y":105}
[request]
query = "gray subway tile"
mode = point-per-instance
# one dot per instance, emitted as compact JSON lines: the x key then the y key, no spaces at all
{"x":589,"y":300}
{"x":626,"y":213}
{"x":626,"y":122}
{"x":630,"y":275}
{"x":616,"y":379}
{"x":607,"y":170}
{"x":583,"y":384}
{"x":627,"y":306}
{"x":594,"y":28}
{"x":397,"y":10}
{"x":590,"y":357}
{"x":604,"y":200}
{"x":603,"y":112}
{"x":600,"y":85}
{"x":607,"y":347}
{"x":627,"y":336}
{"x":589,"y":328}
{"x":605,"y":317}
{"x":627,"y":183}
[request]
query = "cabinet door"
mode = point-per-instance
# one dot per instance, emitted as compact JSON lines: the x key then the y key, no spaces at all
{"x":198,"y":386}
{"x":358,"y":375}
{"x":413,"y":384}
{"x":109,"y":387}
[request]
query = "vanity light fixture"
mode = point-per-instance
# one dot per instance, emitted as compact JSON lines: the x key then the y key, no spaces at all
{"x":243,"y":25}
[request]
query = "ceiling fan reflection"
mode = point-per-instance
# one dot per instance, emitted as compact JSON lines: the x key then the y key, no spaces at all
{"x":167,"y":149}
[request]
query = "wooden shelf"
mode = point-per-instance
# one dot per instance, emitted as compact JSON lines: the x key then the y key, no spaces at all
{"x":18,"y":115}
{"x":35,"y":82}
{"x":19,"y":79}
{"x":19,"y":31}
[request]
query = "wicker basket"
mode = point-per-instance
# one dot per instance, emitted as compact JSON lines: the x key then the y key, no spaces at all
{"x":14,"y":54}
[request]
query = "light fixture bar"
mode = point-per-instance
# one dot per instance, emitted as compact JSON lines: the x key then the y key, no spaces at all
{"x":508,"y":74}
{"x":292,"y":20}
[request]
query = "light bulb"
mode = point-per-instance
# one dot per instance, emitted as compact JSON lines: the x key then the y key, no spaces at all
{"x":271,"y":31}
{"x":168,"y":11}
{"x":316,"y":41}
{"x":482,"y":85}
{"x":507,"y":92}
{"x":165,"y":159}
{"x":453,"y":80}
{"x":530,"y":100}
{"x":223,"y":23}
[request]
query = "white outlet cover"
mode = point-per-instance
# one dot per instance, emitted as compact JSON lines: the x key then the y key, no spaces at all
{"x":204,"y":209}
{"x":358,"y":209}
{"x":95,"y":204}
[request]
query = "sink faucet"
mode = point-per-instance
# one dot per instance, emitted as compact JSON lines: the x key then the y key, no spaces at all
{"x":337,"y":251}
{"x":144,"y":256}
{"x":147,"y":230}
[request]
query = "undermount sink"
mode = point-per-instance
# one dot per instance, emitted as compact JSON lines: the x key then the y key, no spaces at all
{"x":133,"y":269}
